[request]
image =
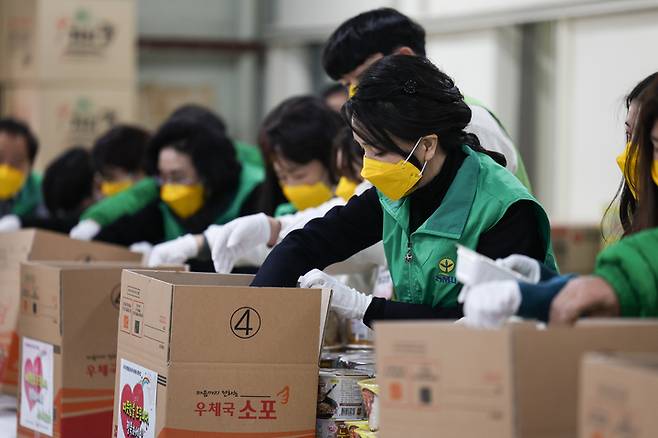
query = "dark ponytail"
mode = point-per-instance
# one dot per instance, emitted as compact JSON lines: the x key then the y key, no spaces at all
{"x":408,"y":97}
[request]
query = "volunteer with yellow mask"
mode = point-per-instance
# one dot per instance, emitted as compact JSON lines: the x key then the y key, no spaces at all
{"x":20,"y":187}
{"x":200,"y":182}
{"x":298,"y":137}
{"x":435,"y":187}
{"x":118,"y":157}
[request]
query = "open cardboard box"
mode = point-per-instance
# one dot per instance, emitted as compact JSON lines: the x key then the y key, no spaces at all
{"x":67,"y":327}
{"x":445,"y":379}
{"x":619,"y":396}
{"x":206,"y":353}
{"x":28,"y":245}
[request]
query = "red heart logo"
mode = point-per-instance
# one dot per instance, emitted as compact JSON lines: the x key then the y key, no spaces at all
{"x":130,"y":401}
{"x":32,"y":379}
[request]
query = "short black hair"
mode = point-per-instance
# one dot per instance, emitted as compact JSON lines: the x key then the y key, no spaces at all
{"x":202,"y":138}
{"x":14,"y":126}
{"x":68,"y":181}
{"x":378,"y":31}
{"x":123,"y":146}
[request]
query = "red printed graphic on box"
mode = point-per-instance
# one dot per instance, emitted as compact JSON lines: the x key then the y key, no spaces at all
{"x":37,"y":389}
{"x":242,"y":407}
{"x":137,"y":402}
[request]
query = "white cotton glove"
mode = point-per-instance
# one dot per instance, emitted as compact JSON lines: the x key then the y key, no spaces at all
{"x":233,"y":240}
{"x":175,"y":251}
{"x":489,"y":305}
{"x":345,"y":301}
{"x":524,"y":265}
{"x":10,"y":222}
{"x":85,"y":230}
{"x":142,"y":248}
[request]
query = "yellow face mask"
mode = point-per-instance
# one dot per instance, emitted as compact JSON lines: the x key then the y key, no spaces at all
{"x":632,"y":179}
{"x":305,"y":196}
{"x":11,"y":181}
{"x":345,"y":188}
{"x":394,"y":180}
{"x":183,"y":199}
{"x":112,"y":188}
{"x":351,"y":91}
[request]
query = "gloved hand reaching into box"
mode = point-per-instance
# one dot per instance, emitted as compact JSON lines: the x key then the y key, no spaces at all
{"x":345,"y":301}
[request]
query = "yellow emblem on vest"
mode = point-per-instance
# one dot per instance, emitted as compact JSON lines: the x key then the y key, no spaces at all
{"x":446,"y":265}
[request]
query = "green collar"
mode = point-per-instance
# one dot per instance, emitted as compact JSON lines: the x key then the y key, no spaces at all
{"x":450,"y":218}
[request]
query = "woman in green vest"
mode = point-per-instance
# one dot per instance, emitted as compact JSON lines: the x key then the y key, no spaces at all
{"x":144,"y":191}
{"x":434,"y":187}
{"x":200,"y":182}
{"x":625,"y":279}
{"x":296,"y":139}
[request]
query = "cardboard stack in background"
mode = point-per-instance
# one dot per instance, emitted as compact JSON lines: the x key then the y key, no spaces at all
{"x":619,"y":396}
{"x":514,"y":382}
{"x":576,"y":247}
{"x":68,"y":324}
{"x":202,"y":353}
{"x":27,"y":245}
{"x":68,"y":68}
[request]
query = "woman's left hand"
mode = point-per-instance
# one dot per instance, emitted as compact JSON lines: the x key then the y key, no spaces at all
{"x":584,"y":296}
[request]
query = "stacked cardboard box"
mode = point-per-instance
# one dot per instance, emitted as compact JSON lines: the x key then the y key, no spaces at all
{"x":200,"y":354}
{"x":576,"y":247}
{"x":619,"y":396}
{"x":68,"y":68}
{"x":36,"y":245}
{"x":67,"y":327}
{"x":520,"y":381}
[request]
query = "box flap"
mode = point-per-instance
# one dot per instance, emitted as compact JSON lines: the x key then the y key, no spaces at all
{"x":443,"y":376}
{"x":197,"y":278}
{"x":40,"y":303}
{"x":536,"y":370}
{"x":144,"y":320}
{"x":47,"y":245}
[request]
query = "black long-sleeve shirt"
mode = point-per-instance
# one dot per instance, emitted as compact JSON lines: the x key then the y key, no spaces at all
{"x":346,"y":230}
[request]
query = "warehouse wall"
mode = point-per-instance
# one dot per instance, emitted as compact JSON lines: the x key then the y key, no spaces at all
{"x":227,"y":82}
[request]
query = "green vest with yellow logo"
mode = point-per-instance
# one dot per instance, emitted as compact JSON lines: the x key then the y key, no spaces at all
{"x":423,"y":264}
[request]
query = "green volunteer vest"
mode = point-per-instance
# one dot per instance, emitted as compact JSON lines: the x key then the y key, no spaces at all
{"x":29,"y":197}
{"x":423,"y":264}
{"x":284,"y":209}
{"x":247,"y":153}
{"x":521,"y":173}
{"x":250,"y":177}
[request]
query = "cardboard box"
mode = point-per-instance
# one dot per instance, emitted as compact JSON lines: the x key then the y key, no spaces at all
{"x":205,"y":353}
{"x":27,"y":245}
{"x":619,"y":396}
{"x":63,"y":117}
{"x":67,"y":40}
{"x":445,"y":379}
{"x":576,"y":247}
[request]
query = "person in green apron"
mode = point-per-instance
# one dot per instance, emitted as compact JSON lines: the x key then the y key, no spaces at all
{"x":20,"y":186}
{"x":200,"y":181}
{"x":362,"y":40}
{"x":118,"y":158}
{"x":625,"y":279}
{"x":434,"y":187}
{"x":67,"y":189}
{"x":141,"y":192}
{"x":297,"y":139}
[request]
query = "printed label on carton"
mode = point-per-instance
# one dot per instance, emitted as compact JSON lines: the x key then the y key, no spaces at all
{"x":37,"y":386}
{"x":137,"y":401}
